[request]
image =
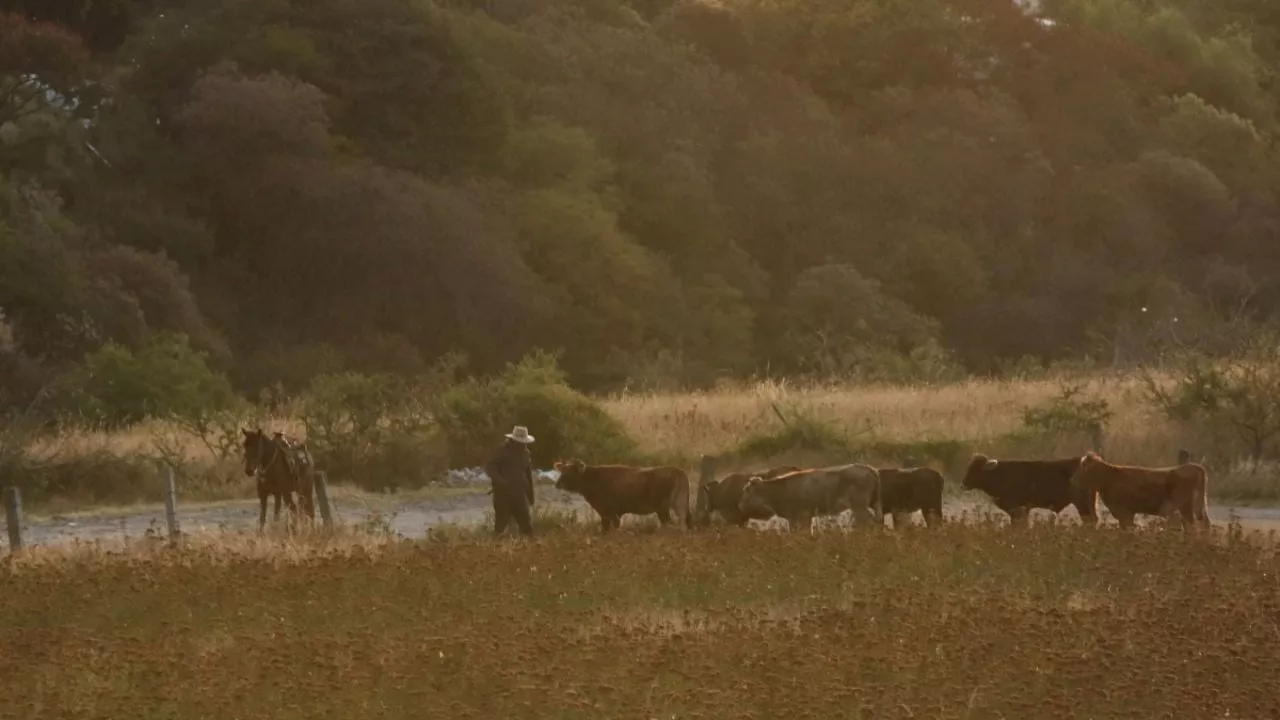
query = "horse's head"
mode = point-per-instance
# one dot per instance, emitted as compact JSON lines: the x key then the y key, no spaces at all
{"x":257,"y":447}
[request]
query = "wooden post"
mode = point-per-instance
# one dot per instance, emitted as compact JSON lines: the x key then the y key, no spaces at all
{"x":171,"y":503}
{"x":13,"y":517}
{"x":321,"y":484}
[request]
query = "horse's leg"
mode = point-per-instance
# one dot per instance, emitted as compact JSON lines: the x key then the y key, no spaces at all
{"x":262,"y":510}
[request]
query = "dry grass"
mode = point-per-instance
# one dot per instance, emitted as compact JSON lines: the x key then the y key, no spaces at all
{"x":974,"y":410}
{"x":963,"y":621}
{"x":981,"y":415}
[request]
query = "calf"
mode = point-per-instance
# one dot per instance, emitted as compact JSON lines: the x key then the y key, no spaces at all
{"x":617,"y":490}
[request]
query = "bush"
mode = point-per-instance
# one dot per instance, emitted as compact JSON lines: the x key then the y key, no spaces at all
{"x":166,"y":378}
{"x":377,"y":431}
{"x":1066,"y":413}
{"x":533,"y":392}
{"x":1238,"y":395}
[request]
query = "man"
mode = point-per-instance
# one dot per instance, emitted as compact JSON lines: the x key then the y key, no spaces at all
{"x":510,"y":472}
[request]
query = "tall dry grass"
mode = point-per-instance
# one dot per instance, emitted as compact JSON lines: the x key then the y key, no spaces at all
{"x":974,"y":410}
{"x":983,"y":415}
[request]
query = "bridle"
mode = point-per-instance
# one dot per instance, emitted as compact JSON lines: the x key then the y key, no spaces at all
{"x":261,"y":468}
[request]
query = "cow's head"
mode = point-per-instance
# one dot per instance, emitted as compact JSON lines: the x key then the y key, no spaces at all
{"x":975,"y":474}
{"x":572,"y":474}
{"x":1086,"y":477}
{"x":754,"y":502}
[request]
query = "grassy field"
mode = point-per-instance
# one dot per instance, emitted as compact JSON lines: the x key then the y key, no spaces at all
{"x":967,"y":621}
{"x":946,"y":423}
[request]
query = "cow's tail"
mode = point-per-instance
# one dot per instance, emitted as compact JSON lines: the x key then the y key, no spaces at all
{"x":679,"y":501}
{"x":1201,"y":501}
{"x":877,"y":498}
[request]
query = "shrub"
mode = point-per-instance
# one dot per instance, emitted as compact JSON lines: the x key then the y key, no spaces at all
{"x":1068,"y":413}
{"x":377,"y":431}
{"x":1237,"y":396}
{"x":534,"y":392}
{"x":166,"y":378}
{"x":801,"y":432}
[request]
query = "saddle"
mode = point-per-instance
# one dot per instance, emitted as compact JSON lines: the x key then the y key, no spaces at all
{"x":296,"y":456}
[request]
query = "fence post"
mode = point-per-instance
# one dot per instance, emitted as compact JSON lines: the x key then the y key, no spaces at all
{"x":321,"y":483}
{"x":13,"y":516}
{"x":171,"y":503}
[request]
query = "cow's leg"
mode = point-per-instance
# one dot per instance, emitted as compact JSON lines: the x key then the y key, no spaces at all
{"x":801,"y":521}
{"x":932,"y":517}
{"x":1125,"y":519}
{"x":1088,"y":515}
{"x":901,"y":519}
{"x":609,"y":522}
{"x":664,"y":516}
{"x":865,"y":519}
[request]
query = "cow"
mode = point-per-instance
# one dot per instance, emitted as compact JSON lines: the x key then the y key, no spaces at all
{"x":800,"y":496}
{"x":906,"y":490}
{"x":1129,"y":490}
{"x":1017,"y":486}
{"x":722,"y":496}
{"x":617,"y":490}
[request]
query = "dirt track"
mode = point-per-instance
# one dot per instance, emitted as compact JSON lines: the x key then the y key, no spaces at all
{"x":412,"y":517}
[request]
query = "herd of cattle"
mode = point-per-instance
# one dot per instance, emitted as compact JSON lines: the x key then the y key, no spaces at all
{"x":798,"y":495}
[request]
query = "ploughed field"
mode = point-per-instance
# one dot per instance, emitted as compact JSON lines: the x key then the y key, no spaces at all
{"x":963,"y":621}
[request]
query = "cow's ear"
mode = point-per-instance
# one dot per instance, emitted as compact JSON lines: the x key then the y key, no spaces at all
{"x":559,"y":466}
{"x":991,"y":464}
{"x":246,"y":432}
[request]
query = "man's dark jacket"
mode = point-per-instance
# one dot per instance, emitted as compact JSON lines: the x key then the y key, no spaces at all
{"x":511,"y":469}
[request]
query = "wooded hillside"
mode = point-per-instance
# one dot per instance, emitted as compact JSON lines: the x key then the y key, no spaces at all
{"x":667,"y":192}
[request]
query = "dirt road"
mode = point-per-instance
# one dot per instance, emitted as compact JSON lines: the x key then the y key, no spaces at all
{"x":412,"y":517}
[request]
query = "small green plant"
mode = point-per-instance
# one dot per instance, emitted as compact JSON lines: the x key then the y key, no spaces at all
{"x":1069,"y":412}
{"x":801,"y":431}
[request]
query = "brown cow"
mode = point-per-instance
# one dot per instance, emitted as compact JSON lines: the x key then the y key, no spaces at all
{"x":722,"y":496}
{"x":617,"y":490}
{"x":1128,"y":490}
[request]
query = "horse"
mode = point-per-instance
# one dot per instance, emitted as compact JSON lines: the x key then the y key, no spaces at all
{"x":283,"y":466}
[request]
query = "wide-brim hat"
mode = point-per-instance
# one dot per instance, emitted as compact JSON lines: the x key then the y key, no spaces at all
{"x":520,"y":434}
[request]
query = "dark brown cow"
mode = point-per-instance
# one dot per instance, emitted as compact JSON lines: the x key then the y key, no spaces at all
{"x":1128,"y":490}
{"x":800,"y":496}
{"x":1017,"y":486}
{"x":905,"y":490}
{"x":617,"y":490}
{"x":722,"y":496}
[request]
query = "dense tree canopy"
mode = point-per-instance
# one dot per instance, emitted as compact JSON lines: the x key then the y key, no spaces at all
{"x":660,"y":191}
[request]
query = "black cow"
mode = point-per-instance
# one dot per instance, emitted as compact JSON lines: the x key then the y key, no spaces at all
{"x":1017,"y":486}
{"x":906,"y":490}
